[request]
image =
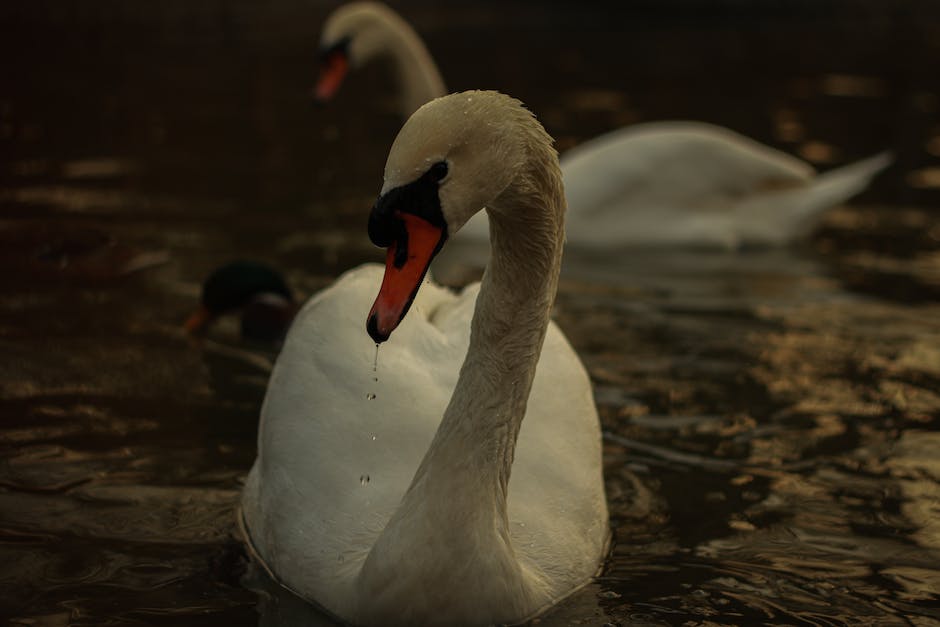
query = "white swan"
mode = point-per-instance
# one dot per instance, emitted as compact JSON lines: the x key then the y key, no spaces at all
{"x":691,"y":183}
{"x":658,"y":183}
{"x":363,"y":499}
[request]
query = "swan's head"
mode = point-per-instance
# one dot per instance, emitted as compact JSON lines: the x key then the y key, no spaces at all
{"x":455,"y":155}
{"x":352,"y":35}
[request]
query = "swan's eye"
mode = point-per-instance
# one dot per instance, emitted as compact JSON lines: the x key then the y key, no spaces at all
{"x":438,"y":171}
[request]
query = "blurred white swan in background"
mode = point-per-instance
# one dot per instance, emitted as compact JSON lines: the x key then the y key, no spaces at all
{"x":363,"y":499}
{"x":658,"y":183}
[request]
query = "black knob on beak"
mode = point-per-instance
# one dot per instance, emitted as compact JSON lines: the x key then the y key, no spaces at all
{"x":385,"y":228}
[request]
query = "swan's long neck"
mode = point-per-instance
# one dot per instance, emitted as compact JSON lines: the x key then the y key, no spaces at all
{"x":418,"y":76}
{"x":455,"y":510}
{"x":477,"y":435}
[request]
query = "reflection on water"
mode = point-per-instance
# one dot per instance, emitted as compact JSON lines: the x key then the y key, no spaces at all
{"x":925,"y":178}
{"x":771,"y":417}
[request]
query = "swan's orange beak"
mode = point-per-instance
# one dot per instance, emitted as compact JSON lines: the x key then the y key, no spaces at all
{"x":406,"y":262}
{"x":332,"y":72}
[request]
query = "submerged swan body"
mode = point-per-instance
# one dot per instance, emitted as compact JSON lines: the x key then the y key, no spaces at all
{"x":658,"y":183}
{"x":364,"y":499}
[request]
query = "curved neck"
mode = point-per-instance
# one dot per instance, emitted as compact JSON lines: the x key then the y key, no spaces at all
{"x":456,"y":506}
{"x":479,"y":428}
{"x":418,"y":76}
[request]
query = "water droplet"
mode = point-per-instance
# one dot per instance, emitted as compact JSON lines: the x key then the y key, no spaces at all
{"x":370,"y":396}
{"x":373,"y":438}
{"x":363,"y":479}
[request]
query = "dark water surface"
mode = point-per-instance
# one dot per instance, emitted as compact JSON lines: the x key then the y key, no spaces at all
{"x":773,"y":418}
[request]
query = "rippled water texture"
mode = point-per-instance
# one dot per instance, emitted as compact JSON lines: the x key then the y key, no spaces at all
{"x":773,"y":418}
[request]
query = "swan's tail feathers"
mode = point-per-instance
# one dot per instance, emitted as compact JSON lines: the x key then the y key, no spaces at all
{"x":784,"y":215}
{"x":843,"y":183}
{"x":836,"y":186}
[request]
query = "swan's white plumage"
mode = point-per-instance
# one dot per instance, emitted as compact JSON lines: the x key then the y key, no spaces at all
{"x":324,"y":503}
{"x":693,"y":184}
{"x":677,"y":183}
{"x":322,"y":478}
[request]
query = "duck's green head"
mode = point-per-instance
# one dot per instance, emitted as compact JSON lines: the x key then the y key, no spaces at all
{"x":254,"y":289}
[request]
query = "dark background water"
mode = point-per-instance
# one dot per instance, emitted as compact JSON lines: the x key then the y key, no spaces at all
{"x":773,"y":417}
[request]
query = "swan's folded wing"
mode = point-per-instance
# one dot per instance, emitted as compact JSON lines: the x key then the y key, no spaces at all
{"x":339,"y":442}
{"x":671,"y":166}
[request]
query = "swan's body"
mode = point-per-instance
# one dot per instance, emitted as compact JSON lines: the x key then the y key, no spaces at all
{"x":380,"y":510}
{"x":658,"y":183}
{"x":694,"y":184}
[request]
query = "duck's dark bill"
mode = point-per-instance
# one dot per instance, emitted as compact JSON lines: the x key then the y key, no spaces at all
{"x":406,"y":263}
{"x":332,"y":72}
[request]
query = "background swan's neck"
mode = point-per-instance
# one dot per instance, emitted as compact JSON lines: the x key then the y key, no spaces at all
{"x":420,"y":79}
{"x":455,"y":510}
{"x":418,"y":76}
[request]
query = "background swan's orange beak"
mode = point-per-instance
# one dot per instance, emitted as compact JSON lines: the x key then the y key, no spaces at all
{"x":332,"y":73}
{"x":406,"y":263}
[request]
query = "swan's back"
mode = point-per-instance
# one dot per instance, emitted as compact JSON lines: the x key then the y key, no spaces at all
{"x":690,"y":183}
{"x":692,"y":165}
{"x":667,"y":183}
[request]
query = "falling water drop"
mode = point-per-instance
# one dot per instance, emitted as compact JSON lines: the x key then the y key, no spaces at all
{"x":363,"y":479}
{"x":370,"y":396}
{"x":375,"y":366}
{"x":373,"y":438}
